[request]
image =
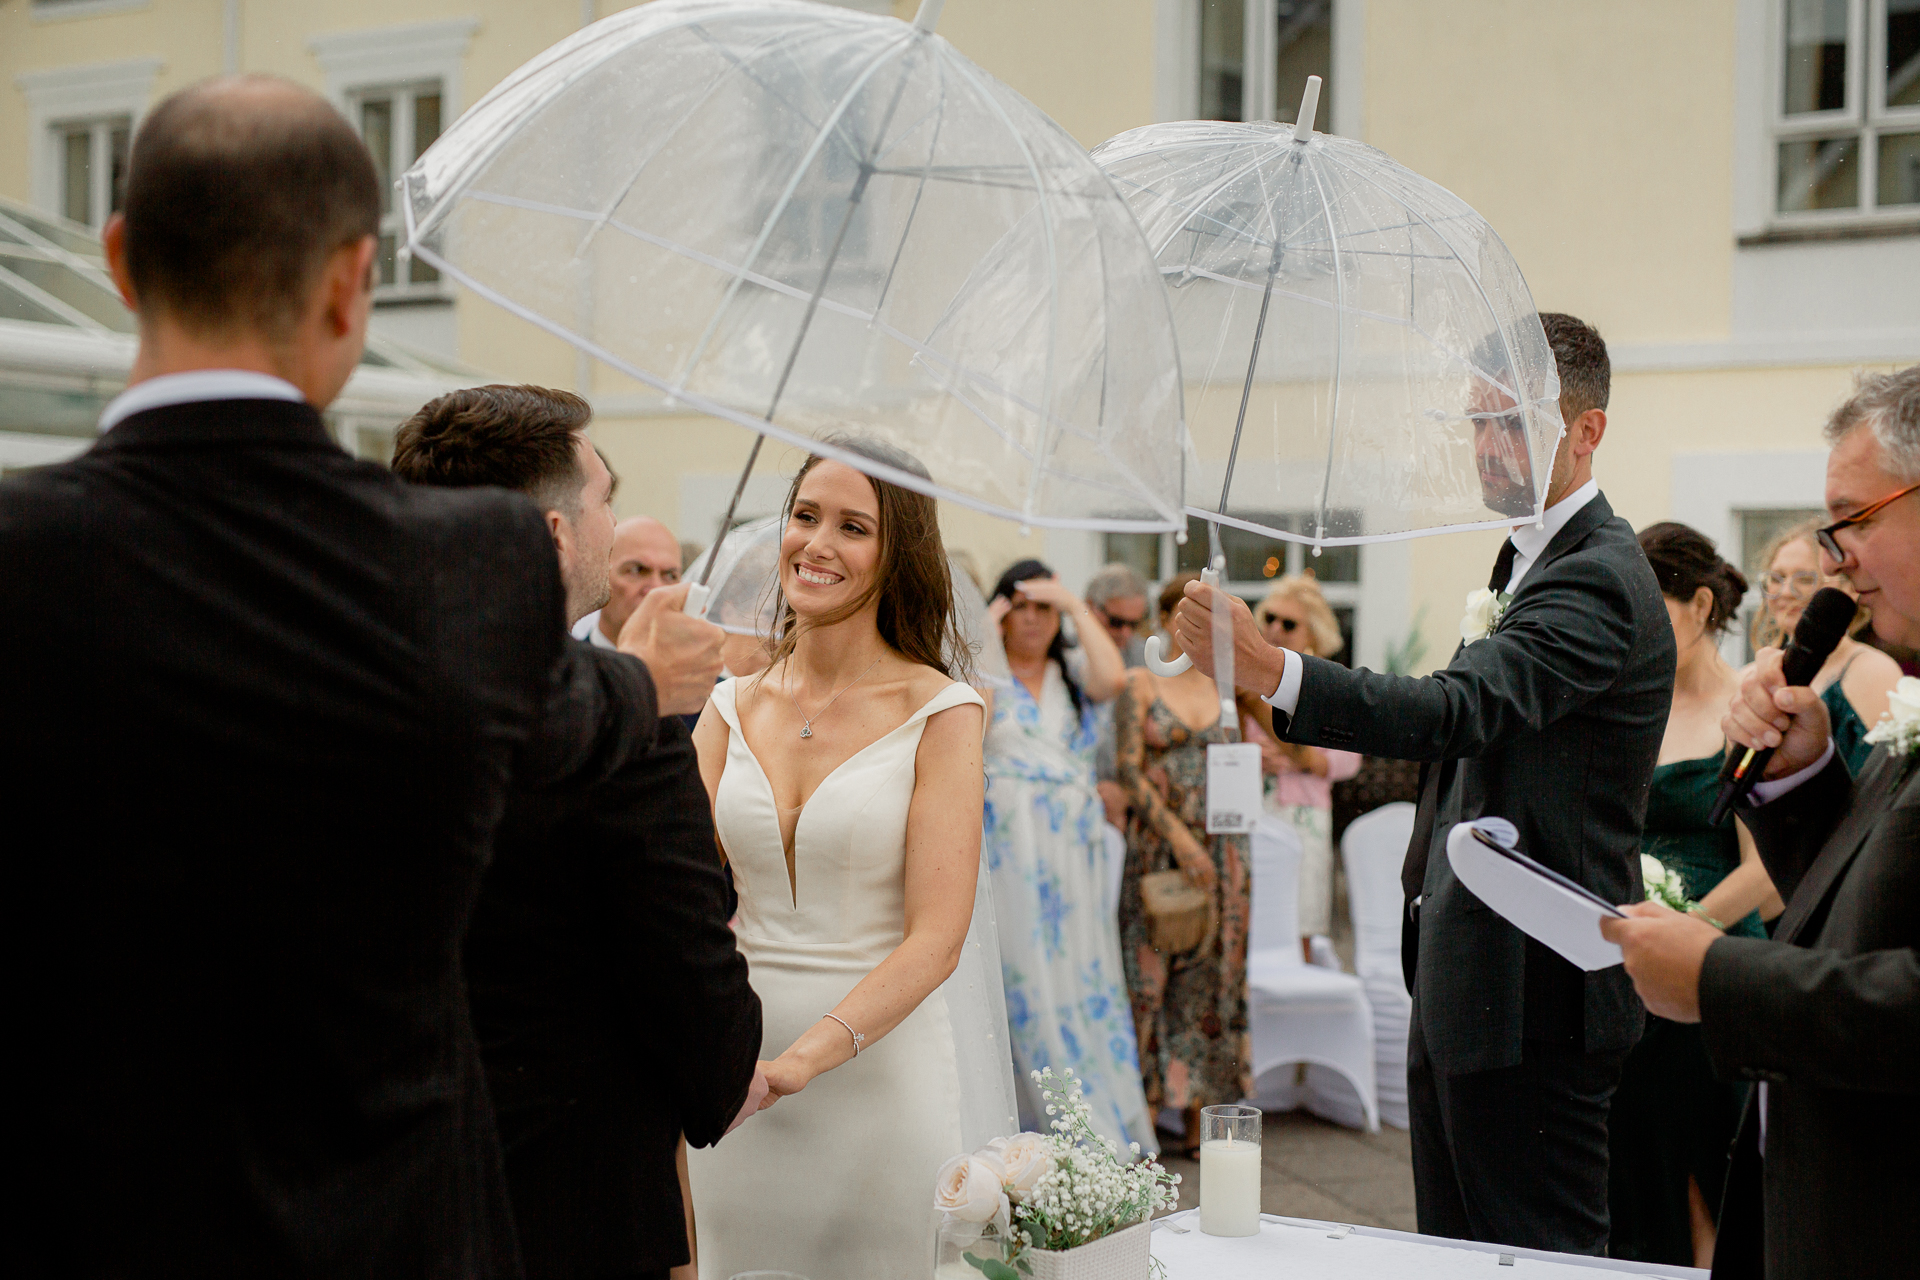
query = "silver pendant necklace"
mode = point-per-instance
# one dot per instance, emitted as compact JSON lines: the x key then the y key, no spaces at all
{"x":806,"y":725}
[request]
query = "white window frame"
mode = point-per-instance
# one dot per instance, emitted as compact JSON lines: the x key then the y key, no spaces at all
{"x":1860,"y":118}
{"x":99,"y":131}
{"x":1177,"y":63}
{"x":68,"y":96}
{"x":400,"y":143}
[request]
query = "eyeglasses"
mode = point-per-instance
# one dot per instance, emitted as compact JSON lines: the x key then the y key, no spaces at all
{"x":1791,"y":584}
{"x":1268,"y":617}
{"x":1830,"y":542}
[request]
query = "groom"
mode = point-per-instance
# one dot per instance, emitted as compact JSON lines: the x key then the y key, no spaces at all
{"x":1552,"y":719}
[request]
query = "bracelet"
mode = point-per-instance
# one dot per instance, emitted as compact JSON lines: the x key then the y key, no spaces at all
{"x":858,"y":1039}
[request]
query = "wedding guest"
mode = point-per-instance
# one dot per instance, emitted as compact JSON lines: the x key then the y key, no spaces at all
{"x":1826,"y":1014}
{"x":1118,"y":597}
{"x":1299,"y":788}
{"x":277,"y":700}
{"x":1855,"y":680}
{"x":1566,"y":655}
{"x":1672,"y":1121}
{"x":601,"y":924}
{"x":1045,"y":845}
{"x":847,"y":788}
{"x":1190,"y":1008}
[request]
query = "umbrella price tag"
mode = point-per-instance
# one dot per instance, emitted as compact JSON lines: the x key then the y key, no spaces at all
{"x":1233,"y":787}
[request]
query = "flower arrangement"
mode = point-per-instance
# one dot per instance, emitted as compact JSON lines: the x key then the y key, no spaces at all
{"x":1049,"y":1192}
{"x":1899,"y":726}
{"x":1663,"y":886}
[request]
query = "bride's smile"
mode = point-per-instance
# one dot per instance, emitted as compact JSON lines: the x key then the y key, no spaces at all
{"x":830,"y":550}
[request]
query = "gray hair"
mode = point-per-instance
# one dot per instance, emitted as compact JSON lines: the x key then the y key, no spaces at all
{"x":1114,"y":582}
{"x":1888,"y":404}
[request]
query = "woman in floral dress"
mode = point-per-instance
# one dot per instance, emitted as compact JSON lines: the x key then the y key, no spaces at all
{"x":1189,"y":1009}
{"x":1044,"y":845}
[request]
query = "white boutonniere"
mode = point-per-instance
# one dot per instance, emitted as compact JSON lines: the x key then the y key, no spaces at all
{"x":1899,"y":728}
{"x":1484,"y":608}
{"x":1664,"y":886}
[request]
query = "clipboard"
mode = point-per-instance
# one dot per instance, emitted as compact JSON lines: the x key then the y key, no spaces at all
{"x":1537,"y":900}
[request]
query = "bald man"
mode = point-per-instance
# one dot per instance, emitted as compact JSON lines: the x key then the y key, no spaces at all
{"x":645,"y":556}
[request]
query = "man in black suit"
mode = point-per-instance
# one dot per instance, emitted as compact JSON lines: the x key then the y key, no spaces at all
{"x":265,"y":704}
{"x":1553,"y":720}
{"x":612,"y":1007}
{"x":1826,"y":1014}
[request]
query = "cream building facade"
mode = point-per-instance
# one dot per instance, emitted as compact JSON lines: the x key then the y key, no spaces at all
{"x":1728,"y":189}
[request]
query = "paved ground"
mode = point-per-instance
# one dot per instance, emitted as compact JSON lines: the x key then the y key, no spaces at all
{"x":1311,"y":1168}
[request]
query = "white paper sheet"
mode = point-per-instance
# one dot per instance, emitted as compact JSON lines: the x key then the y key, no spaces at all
{"x":1538,"y":906}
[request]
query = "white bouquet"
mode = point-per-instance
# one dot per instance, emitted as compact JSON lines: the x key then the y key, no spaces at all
{"x":1054,"y":1191}
{"x":1899,"y":726}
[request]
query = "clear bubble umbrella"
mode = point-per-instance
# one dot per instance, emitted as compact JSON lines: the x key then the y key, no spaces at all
{"x":1364,"y":360}
{"x":814,"y":221}
{"x":743,"y":580}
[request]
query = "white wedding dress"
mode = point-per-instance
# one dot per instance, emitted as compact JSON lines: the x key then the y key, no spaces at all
{"x":836,"y":1182}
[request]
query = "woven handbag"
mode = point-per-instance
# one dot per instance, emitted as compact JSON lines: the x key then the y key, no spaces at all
{"x":1177,"y":913}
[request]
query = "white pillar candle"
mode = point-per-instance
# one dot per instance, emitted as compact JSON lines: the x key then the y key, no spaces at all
{"x":1230,"y":1188}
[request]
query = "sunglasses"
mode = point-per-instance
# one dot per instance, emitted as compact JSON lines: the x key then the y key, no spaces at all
{"x":1830,"y":542}
{"x":1289,"y":625}
{"x":1122,"y":624}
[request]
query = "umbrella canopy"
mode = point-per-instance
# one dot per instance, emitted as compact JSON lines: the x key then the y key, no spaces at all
{"x":1365,"y":362}
{"x":744,"y":599}
{"x":815,"y":222}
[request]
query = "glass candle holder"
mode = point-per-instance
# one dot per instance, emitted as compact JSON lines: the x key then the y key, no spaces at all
{"x":1230,"y":1171}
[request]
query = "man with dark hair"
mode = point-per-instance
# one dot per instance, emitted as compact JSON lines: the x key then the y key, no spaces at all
{"x":1550,"y":715}
{"x":601,"y":930}
{"x":272,"y":702}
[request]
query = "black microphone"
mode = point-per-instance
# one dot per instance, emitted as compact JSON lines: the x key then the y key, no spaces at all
{"x":1818,"y":633}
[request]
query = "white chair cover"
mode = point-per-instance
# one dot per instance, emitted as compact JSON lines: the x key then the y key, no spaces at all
{"x":1299,"y":1012}
{"x":1373,"y":849}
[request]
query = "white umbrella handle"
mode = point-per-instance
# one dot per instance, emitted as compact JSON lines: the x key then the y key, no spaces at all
{"x":1155,"y":645}
{"x":696,"y":604}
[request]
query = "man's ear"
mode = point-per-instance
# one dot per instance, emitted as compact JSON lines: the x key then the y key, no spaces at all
{"x":114,"y":241}
{"x":561,"y":532}
{"x":1587,"y":431}
{"x":348,"y":278}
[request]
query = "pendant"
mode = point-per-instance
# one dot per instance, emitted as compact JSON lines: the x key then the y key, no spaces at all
{"x":806,"y":730}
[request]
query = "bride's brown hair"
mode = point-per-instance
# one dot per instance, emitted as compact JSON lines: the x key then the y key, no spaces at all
{"x":913,"y":585}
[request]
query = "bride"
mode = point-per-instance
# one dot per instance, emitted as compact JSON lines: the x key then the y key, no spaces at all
{"x":846,"y":782}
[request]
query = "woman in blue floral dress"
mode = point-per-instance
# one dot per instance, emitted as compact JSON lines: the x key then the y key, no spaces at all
{"x":1045,"y":848}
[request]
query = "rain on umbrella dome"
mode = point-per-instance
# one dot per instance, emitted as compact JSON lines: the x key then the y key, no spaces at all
{"x":1347,"y":328}
{"x":814,"y":221}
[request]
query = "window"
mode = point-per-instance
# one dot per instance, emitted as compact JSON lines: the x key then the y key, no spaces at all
{"x":1847,"y":108}
{"x":1289,"y":40}
{"x":398,"y":124}
{"x":93,"y":168}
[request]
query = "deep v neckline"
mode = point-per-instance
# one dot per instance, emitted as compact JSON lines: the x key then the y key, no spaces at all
{"x":791,"y":850}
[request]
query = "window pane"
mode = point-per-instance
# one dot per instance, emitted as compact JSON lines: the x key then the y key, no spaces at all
{"x":1223,"y":37}
{"x":1816,"y":71}
{"x":1899,"y":168}
{"x":117,"y":140}
{"x":83,"y":293}
{"x":1305,"y":44}
{"x":1820,"y":173}
{"x":78,"y":202}
{"x":419,"y":272}
{"x":1253,"y":556}
{"x":1903,"y":53}
{"x":1192,"y":558}
{"x":1335,"y":564}
{"x":426,"y":122}
{"x":386,"y":260}
{"x":376,"y":126}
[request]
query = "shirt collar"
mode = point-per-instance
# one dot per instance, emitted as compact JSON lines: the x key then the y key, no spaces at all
{"x":194,"y":386}
{"x":1531,"y":539}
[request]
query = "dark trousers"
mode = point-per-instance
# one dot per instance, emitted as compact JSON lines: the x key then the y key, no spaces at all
{"x":1517,"y":1155}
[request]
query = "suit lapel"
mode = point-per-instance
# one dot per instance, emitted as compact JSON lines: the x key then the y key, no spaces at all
{"x":1871,"y":795}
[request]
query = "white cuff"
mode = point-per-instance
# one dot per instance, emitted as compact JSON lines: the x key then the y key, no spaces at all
{"x":1765,"y":792}
{"x":1287,"y":696}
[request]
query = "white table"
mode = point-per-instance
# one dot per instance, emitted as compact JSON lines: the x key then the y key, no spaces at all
{"x":1299,"y":1249}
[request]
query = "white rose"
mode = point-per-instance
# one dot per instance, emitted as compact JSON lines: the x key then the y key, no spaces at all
{"x":1903,"y":700}
{"x":968,"y":1189}
{"x":1483,"y":610}
{"x":1026,"y":1158}
{"x":1652,"y":873}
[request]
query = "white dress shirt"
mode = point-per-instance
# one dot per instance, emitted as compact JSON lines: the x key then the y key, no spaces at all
{"x":193,"y":387}
{"x":1529,"y":541}
{"x":588,"y":629}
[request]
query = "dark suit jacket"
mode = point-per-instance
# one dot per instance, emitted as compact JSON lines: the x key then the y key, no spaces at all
{"x":1554,"y":723}
{"x":1828,"y":1012}
{"x":612,"y":1006}
{"x":263,"y":706}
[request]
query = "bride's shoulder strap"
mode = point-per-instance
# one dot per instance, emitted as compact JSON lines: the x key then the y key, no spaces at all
{"x":724,"y":701}
{"x":956,"y":694}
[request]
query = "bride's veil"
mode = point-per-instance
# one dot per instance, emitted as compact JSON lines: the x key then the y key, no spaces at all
{"x":977,"y":1008}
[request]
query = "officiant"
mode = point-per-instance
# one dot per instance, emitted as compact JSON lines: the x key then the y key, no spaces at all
{"x":1826,"y":1014}
{"x":1550,"y":715}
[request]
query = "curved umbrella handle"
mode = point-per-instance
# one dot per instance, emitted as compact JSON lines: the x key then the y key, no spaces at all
{"x":696,"y":605}
{"x":1156,"y":645}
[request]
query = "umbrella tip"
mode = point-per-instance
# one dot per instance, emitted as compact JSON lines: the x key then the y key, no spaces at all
{"x":1309,"y":106}
{"x":929,"y":15}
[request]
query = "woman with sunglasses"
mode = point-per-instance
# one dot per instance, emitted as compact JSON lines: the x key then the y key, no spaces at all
{"x":1856,"y":679}
{"x":1295,"y":615}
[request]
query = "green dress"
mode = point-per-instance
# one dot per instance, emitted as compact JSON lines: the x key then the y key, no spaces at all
{"x":1672,"y":1119}
{"x":1849,"y":730}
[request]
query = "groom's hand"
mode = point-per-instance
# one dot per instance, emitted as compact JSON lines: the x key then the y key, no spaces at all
{"x":756,"y":1098}
{"x":1257,"y":665}
{"x":682,"y":653}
